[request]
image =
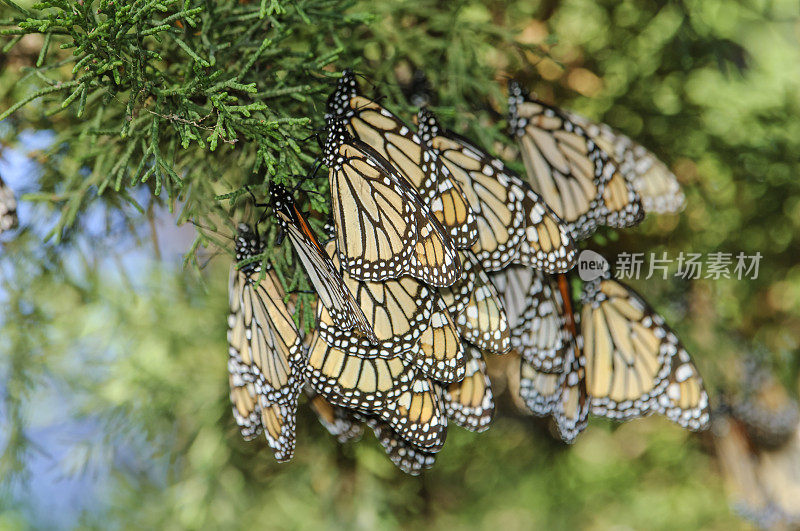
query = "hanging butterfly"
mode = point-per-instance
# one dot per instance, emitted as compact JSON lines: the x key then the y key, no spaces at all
{"x":384,"y":230}
{"x":409,"y":319}
{"x":619,"y":355}
{"x":536,"y":317}
{"x":266,"y":359}
{"x":483,"y":321}
{"x":326,"y":279}
{"x":418,"y":415}
{"x":561,"y":394}
{"x":631,"y":353}
{"x":578,"y":179}
{"x":391,"y":138}
{"x":470,"y":402}
{"x":656,"y":185}
{"x":514,"y":223}
{"x":8,"y":208}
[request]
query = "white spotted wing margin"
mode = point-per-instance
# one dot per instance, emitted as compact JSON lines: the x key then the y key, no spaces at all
{"x":404,"y":455}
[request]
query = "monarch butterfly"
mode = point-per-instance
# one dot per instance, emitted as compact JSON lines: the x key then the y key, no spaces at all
{"x":8,"y":208}
{"x":514,"y":223}
{"x":470,"y":403}
{"x":656,"y":185}
{"x":536,"y":316}
{"x":383,"y":228}
{"x":563,"y":395}
{"x":623,"y":357}
{"x":566,"y":166}
{"x":409,"y":319}
{"x":389,"y":136}
{"x":626,"y":335}
{"x":326,"y":279}
{"x":483,"y":322}
{"x":265,"y":351}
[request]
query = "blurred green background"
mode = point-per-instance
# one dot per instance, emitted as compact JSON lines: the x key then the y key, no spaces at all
{"x":113,"y":381}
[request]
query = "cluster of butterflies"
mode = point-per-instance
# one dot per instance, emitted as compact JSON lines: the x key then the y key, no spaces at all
{"x":441,"y":256}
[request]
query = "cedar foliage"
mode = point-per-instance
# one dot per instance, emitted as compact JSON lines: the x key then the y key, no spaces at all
{"x":205,"y":103}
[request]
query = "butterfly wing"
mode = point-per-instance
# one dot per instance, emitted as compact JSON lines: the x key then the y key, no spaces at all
{"x":576,"y":178}
{"x":484,"y":322}
{"x":348,"y":380}
{"x":470,"y":402}
{"x":628,"y":350}
{"x":398,"y":312}
{"x":392,"y":139}
{"x":384,"y":229}
{"x":657,"y":186}
{"x":265,"y":359}
{"x":418,"y":415}
{"x":684,"y":399}
{"x":325,"y":277}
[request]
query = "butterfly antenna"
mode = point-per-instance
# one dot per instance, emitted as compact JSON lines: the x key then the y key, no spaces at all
{"x":366,"y":78}
{"x":209,"y":229}
{"x":307,"y":176}
{"x":315,"y":132}
{"x":208,"y":260}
